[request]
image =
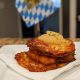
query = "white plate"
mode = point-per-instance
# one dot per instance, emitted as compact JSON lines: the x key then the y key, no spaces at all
{"x":7,"y":54}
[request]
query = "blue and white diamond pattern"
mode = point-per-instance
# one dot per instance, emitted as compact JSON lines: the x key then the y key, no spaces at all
{"x":36,"y":14}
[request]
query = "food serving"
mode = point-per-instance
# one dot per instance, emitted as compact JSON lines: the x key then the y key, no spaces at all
{"x":47,"y":52}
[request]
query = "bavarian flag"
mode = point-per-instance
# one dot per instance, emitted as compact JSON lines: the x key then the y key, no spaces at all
{"x":34,"y":11}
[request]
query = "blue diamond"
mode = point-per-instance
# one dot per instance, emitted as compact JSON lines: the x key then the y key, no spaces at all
{"x":40,"y":16}
{"x":35,"y":15}
{"x":30,"y":15}
{"x":18,"y":4}
{"x":42,"y":6}
{"x":46,"y":7}
{"x":51,"y":8}
{"x":26,"y":14}
{"x":23,"y":5}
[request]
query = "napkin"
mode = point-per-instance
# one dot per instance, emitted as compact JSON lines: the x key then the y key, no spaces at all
{"x":7,"y":54}
{"x":3,"y":69}
{"x":8,"y":74}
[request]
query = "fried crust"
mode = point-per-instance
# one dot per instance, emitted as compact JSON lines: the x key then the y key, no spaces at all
{"x":40,"y":58}
{"x":66,"y":59}
{"x":25,"y":61}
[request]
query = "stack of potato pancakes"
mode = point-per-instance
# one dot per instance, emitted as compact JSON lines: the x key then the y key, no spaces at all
{"x":47,"y":52}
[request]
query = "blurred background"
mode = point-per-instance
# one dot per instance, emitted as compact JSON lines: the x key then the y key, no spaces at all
{"x":65,"y":20}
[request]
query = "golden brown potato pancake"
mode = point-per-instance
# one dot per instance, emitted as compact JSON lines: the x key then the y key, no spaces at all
{"x":31,"y":65}
{"x":53,"y":50}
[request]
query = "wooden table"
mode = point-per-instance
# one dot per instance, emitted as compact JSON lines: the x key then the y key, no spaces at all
{"x":9,"y":41}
